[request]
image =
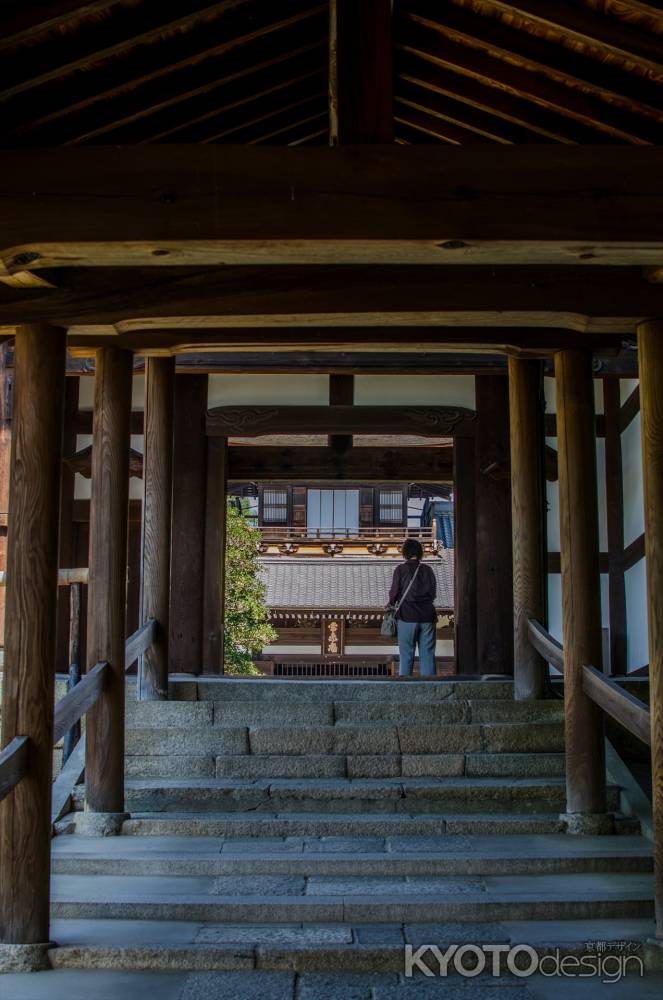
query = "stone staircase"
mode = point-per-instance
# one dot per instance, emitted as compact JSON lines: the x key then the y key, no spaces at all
{"x":312,"y":827}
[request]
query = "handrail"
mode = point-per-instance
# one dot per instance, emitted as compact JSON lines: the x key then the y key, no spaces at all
{"x":79,"y":574}
{"x":79,"y":700}
{"x":13,"y":764}
{"x":137,"y":643}
{"x":625,"y":708}
{"x":550,"y":649}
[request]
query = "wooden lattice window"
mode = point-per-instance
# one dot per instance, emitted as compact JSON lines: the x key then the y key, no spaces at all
{"x":390,"y":507}
{"x":275,"y":506}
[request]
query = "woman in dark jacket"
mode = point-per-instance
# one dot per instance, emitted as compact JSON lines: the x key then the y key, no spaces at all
{"x":416,"y":619}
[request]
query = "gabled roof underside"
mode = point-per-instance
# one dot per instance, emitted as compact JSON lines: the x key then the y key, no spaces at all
{"x":256,"y":71}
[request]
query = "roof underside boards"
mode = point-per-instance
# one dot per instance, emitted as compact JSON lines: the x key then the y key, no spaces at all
{"x":255,"y":71}
{"x":344,"y":583}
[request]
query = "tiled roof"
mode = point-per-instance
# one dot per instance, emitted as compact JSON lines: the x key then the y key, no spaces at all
{"x":327,"y":583}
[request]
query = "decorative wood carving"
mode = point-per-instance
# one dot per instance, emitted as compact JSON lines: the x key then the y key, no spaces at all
{"x":253,"y":421}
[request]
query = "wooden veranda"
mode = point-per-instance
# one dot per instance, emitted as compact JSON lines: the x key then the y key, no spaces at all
{"x":408,"y":246}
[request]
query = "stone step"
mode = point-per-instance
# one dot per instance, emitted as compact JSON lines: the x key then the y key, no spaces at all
{"x":382,"y":795}
{"x":186,"y":688}
{"x":347,"y":856}
{"x":256,"y":766}
{"x":288,"y":898}
{"x":293,"y":824}
{"x":282,"y":983}
{"x":372,"y":949}
{"x":287,"y":712}
{"x":346,"y":738}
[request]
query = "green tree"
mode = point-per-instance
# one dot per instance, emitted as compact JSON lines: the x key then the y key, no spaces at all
{"x":247,"y":627}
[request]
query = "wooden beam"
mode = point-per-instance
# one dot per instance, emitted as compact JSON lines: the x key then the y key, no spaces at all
{"x":67,"y":550}
{"x":630,"y":409}
{"x":268,"y":464}
{"x":188,"y":540}
{"x":215,"y":556}
{"x":186,"y":60}
{"x":14,"y":760}
{"x":360,"y":72}
{"x":581,"y":581}
{"x":615,"y":526}
{"x":494,"y":566}
{"x":242,"y":298}
{"x":549,"y":648}
{"x":255,"y":421}
{"x":71,"y":709}
{"x":534,"y":69}
{"x":156,"y":538}
{"x":650,"y":354}
{"x":527,"y":521}
{"x":99,"y":206}
{"x":30,"y":630}
{"x":106,"y":592}
{"x":465,"y":532}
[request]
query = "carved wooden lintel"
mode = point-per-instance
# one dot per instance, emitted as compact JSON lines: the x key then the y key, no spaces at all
{"x":254,"y":421}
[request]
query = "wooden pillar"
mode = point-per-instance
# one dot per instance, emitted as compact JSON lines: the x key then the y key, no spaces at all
{"x":67,"y":529}
{"x":494,"y":568}
{"x":29,"y":667}
{"x":106,"y":604}
{"x":157,"y":505}
{"x":650,"y":359}
{"x":361,"y":104}
{"x":188,"y":548}
{"x":527,"y":520}
{"x":215,"y":555}
{"x":581,"y":581}
{"x":614,"y":489}
{"x":341,"y":393}
{"x":6,"y":403}
{"x":465,"y":532}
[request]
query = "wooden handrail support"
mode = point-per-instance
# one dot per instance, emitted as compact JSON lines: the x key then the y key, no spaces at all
{"x":549,"y":648}
{"x":137,"y":643}
{"x":66,"y":577}
{"x":13,"y":764}
{"x":79,"y":700}
{"x":627,"y":710}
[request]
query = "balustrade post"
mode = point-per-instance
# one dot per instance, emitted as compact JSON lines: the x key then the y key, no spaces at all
{"x":527,"y":521}
{"x":650,"y":360}
{"x":106,"y":598}
{"x":581,"y":591}
{"x":157,"y":509}
{"x":30,"y":635}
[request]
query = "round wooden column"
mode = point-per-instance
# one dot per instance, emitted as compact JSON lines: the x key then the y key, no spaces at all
{"x":527,"y":521}
{"x":29,"y":668}
{"x":106,"y":601}
{"x":581,"y":581}
{"x":157,"y":506}
{"x":650,"y":360}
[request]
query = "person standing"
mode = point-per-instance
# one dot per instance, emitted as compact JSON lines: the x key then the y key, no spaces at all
{"x":416,"y":619}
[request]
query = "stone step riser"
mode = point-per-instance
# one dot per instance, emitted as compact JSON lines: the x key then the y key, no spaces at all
{"x":362,"y":866}
{"x":346,"y":739}
{"x":374,"y":910}
{"x":357,"y":958}
{"x":259,"y":766}
{"x":325,"y":691}
{"x":298,"y":825}
{"x":285,"y":713}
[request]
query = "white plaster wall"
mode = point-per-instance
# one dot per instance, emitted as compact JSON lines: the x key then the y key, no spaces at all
{"x":551,"y":398}
{"x":637,"y":653}
{"x":626,"y":387}
{"x":634,"y":516}
{"x":83,"y":486}
{"x":428,"y":390}
{"x":86,"y":392}
{"x":257,"y":390}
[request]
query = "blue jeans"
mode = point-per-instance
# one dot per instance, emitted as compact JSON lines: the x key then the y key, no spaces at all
{"x":411,"y":634}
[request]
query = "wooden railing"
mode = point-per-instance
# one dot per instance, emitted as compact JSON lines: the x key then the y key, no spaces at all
{"x":14,"y":758}
{"x":395,"y":534}
{"x":624,"y":708}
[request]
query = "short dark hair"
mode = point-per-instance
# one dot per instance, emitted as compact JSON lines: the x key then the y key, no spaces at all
{"x":412,"y":549}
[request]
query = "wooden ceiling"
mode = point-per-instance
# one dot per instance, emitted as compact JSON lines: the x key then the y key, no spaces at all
{"x":257,"y":71}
